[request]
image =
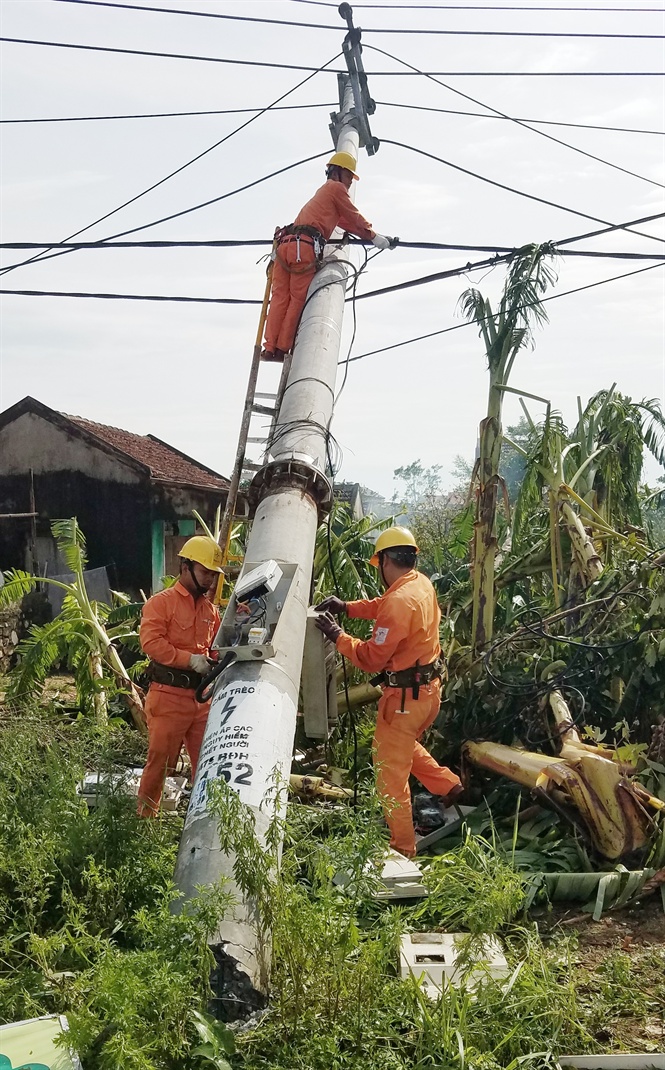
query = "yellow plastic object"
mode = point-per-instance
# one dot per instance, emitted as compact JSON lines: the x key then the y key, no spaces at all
{"x":204,"y":550}
{"x":344,"y":159}
{"x":391,"y":538}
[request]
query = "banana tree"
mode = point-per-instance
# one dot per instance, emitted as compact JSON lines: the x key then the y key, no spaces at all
{"x":504,"y":333}
{"x":79,"y":632}
{"x":342,"y":552}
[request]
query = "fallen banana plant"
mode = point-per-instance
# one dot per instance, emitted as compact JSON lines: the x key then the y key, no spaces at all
{"x":590,"y":790}
{"x":309,"y":787}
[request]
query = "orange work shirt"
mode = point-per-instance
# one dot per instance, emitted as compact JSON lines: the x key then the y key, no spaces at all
{"x":173,"y":626}
{"x":332,"y":207}
{"x":406,"y":631}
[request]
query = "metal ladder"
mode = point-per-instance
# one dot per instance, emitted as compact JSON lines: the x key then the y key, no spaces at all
{"x":259,"y":404}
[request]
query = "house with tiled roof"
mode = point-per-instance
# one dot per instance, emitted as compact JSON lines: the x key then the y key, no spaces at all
{"x":133,"y":495}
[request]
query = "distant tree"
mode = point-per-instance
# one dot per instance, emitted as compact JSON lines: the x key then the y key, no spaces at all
{"x":418,"y":483}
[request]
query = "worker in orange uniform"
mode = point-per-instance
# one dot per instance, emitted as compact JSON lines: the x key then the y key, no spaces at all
{"x":300,"y":249}
{"x":177,"y":627}
{"x":404,"y":649}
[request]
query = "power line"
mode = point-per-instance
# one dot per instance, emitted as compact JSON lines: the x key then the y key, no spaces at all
{"x":511,"y":189}
{"x":134,"y":297}
{"x":302,"y":67}
{"x":165,"y":114}
{"x":161,"y":55}
{"x":471,"y":323}
{"x":368,"y":29}
{"x":267,"y":243}
{"x":509,"y":118}
{"x":184,"y":211}
{"x":332,"y":104}
{"x":491,"y":7}
{"x":520,"y":122}
{"x":183,"y":166}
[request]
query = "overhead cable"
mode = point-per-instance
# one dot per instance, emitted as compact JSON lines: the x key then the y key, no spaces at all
{"x":478,"y":7}
{"x":427,"y":246}
{"x":508,"y":118}
{"x":367,"y":29}
{"x":471,"y":323}
{"x":303,"y":67}
{"x":164,"y":114}
{"x":331,"y":104}
{"x":519,"y":193}
{"x":454,"y":272}
{"x":525,"y":125}
{"x":184,"y":211}
{"x":135,"y":297}
{"x":178,"y":170}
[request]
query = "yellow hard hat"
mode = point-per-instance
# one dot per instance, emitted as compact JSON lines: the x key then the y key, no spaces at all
{"x":390,"y":539}
{"x":204,"y":550}
{"x":344,"y":159}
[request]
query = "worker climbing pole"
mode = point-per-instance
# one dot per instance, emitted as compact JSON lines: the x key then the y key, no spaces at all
{"x":251,"y":726}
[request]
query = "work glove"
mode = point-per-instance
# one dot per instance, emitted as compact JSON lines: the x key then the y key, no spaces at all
{"x":333,"y":605}
{"x":381,"y":241}
{"x":200,"y":664}
{"x":327,"y":624}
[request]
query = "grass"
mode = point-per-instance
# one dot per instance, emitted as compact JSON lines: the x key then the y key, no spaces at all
{"x":87,"y":929}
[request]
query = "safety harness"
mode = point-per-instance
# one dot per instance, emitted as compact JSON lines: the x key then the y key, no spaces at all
{"x":301,"y":233}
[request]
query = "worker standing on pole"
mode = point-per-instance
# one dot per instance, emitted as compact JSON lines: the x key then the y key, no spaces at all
{"x":300,"y":249}
{"x":177,"y":627}
{"x":404,"y":649}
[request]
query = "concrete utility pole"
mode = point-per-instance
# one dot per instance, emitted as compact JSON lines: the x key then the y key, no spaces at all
{"x":252,"y":720}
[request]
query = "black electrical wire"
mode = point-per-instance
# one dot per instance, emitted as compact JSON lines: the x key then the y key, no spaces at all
{"x":408,"y":284}
{"x":323,"y":104}
{"x":511,"y":189}
{"x":459,"y":326}
{"x":194,"y":159}
{"x":489,"y":7}
{"x":163,"y":114}
{"x":135,"y":297}
{"x":496,"y":115}
{"x":162,"y":55}
{"x":368,"y":29}
{"x":177,"y":215}
{"x":313,"y":70}
{"x":525,"y":125}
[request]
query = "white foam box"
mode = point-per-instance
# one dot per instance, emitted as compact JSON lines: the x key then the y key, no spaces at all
{"x":400,"y":877}
{"x":433,"y":958}
{"x":96,"y":786}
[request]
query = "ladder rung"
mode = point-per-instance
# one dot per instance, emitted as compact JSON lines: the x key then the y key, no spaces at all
{"x":264,"y":410}
{"x":258,"y":394}
{"x":263,"y":439}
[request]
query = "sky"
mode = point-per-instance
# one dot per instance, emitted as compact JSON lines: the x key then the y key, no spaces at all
{"x":179,"y":371}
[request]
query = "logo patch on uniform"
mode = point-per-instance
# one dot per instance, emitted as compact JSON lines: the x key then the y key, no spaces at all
{"x":380,"y":635}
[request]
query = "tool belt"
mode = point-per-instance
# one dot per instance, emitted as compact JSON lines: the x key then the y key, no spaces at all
{"x":414,"y":677}
{"x":166,"y":674}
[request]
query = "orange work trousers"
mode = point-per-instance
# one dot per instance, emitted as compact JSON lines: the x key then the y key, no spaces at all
{"x":173,"y":719}
{"x":290,"y":283}
{"x":397,"y":753}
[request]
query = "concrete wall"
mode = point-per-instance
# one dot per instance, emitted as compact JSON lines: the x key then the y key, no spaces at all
{"x":32,"y":442}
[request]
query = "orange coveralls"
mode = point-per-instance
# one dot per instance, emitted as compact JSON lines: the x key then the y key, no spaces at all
{"x":173,"y":626}
{"x":295,"y":265}
{"x":406,"y":631}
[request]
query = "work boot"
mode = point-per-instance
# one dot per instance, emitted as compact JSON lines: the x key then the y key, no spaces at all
{"x":276,"y":357}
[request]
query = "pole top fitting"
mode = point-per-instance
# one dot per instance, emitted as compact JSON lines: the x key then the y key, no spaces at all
{"x":346,"y":11}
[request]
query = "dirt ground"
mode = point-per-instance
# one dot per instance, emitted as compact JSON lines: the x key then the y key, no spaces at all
{"x":622,"y":961}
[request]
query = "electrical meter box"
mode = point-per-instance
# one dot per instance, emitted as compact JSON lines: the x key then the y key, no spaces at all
{"x":251,"y":620}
